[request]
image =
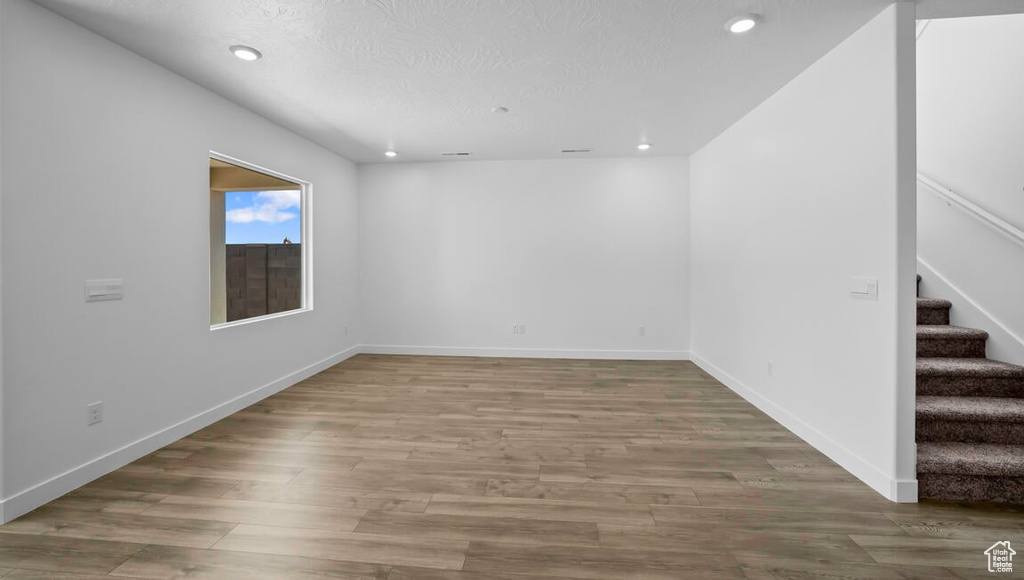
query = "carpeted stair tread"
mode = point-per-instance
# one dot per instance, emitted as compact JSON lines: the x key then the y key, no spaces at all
{"x":967,"y":367}
{"x":935,"y":339}
{"x":975,"y":409}
{"x":934,"y":303}
{"x":970,"y":413}
{"x":971,"y":459}
{"x":946,"y":332}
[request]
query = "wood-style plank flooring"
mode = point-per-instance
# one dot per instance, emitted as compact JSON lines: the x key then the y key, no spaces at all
{"x":455,"y":468}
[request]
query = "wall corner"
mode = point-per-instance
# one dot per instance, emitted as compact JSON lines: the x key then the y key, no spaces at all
{"x":905,"y":456}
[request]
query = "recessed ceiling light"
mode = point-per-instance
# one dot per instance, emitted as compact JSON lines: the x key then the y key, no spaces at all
{"x":391,"y":154}
{"x":246,"y":52}
{"x":742,"y":24}
{"x":643,"y":146}
{"x":499,"y":110}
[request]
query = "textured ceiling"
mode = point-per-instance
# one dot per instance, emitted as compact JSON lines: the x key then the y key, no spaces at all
{"x":359,"y":76}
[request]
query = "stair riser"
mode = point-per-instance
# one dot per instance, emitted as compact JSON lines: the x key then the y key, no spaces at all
{"x":969,"y":431}
{"x":951,"y":348}
{"x":970,"y":487}
{"x":932,"y":315}
{"x":953,"y":386}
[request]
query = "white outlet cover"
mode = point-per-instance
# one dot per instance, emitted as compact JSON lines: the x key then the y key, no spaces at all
{"x":95,"y":413}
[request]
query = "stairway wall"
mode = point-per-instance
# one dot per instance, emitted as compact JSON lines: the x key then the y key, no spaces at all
{"x":979,"y":269}
{"x":969,"y":120}
{"x":782,"y":219}
{"x":969,"y":110}
{"x":1003,"y":344}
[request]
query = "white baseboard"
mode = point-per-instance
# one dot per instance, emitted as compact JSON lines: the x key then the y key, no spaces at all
{"x":49,"y":490}
{"x":902,"y":491}
{"x":527,"y":352}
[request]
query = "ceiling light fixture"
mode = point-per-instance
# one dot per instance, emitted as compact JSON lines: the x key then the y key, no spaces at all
{"x":499,"y":110}
{"x":391,"y":153}
{"x":743,"y":24}
{"x":246,"y":52}
{"x":643,"y":146}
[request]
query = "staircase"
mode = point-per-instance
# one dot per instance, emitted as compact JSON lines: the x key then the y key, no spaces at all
{"x":970,"y":413}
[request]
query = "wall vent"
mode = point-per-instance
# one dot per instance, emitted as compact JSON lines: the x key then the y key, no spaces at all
{"x":576,"y":150}
{"x":456,"y":153}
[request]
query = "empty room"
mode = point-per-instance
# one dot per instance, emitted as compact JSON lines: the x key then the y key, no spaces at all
{"x":511,"y":289}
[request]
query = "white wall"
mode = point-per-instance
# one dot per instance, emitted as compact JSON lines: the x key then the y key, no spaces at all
{"x":978,"y":269}
{"x":2,"y":407}
{"x":787,"y":205}
{"x":970,"y":117}
{"x":582,"y":252}
{"x":106,"y":175}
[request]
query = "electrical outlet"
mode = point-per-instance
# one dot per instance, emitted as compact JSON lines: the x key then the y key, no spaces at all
{"x":641,"y":330}
{"x":346,"y":331}
{"x":515,"y":329}
{"x":769,"y":367}
{"x":522,"y":329}
{"x":95,"y":413}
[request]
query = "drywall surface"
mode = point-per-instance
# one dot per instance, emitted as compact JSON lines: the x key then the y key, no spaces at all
{"x":106,"y":175}
{"x":2,"y":408}
{"x":969,"y":110}
{"x":789,"y":204}
{"x":978,"y":269}
{"x":970,"y":118}
{"x":580,"y":252}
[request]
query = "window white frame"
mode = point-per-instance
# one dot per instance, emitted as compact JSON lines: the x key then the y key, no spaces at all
{"x":306,"y":227}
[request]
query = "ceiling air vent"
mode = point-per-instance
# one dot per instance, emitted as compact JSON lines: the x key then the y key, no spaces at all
{"x":576,"y":150}
{"x":456,"y":154}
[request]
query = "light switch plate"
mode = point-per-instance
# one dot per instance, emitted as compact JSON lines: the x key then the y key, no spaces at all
{"x":109,"y":289}
{"x":864,"y":288}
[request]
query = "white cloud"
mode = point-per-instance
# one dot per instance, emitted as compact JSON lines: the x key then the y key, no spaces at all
{"x":269,"y":207}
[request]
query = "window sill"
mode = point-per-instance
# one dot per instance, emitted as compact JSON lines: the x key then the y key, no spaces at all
{"x":255,"y":319}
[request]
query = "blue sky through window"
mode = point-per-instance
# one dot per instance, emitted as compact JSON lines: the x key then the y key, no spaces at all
{"x":263,"y":217}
